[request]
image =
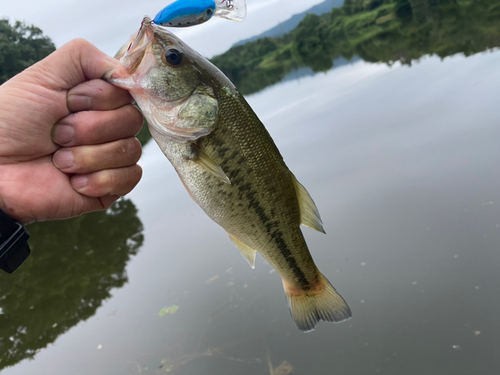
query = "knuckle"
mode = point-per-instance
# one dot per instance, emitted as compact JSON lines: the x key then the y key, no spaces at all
{"x":107,"y":201}
{"x":90,"y":88}
{"x":135,"y":117}
{"x":131,"y":179}
{"x":79,"y":43}
{"x":135,"y":149}
{"x":122,"y":147}
{"x":129,"y":149}
{"x":106,"y":181}
{"x":83,"y":161}
{"x":136,"y":174}
{"x":119,"y":181}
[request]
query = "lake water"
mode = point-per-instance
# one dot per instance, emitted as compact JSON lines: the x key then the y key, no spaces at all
{"x":403,"y":164}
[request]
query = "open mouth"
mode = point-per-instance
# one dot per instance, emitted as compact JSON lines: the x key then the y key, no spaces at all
{"x":131,"y":55}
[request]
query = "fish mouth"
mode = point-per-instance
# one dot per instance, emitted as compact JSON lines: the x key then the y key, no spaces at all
{"x":131,"y":54}
{"x":137,"y":61}
{"x":142,"y":39}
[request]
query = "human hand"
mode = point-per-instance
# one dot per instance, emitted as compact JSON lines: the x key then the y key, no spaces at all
{"x":67,"y":142}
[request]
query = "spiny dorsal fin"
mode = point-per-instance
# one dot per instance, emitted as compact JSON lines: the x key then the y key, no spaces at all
{"x":309,"y":214}
{"x":204,"y":161}
{"x":247,"y":252}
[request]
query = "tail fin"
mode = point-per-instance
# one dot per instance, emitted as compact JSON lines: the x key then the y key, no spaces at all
{"x":308,"y":307}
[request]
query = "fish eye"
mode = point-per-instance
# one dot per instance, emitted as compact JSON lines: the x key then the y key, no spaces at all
{"x":209,"y":11}
{"x":173,"y":56}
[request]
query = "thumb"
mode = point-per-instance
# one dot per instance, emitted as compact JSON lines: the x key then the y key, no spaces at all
{"x":75,"y":62}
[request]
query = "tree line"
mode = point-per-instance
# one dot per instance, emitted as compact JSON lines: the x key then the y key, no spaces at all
{"x":374,"y":30}
{"x":21,"y":46}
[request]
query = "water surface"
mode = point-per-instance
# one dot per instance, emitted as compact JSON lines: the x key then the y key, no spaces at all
{"x":403,"y":163}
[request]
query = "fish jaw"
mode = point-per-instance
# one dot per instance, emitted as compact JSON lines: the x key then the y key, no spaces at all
{"x":182,"y":112}
{"x":133,"y":55}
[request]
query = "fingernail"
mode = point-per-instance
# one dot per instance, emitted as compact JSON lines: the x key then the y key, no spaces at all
{"x":78,"y":102}
{"x":79,"y":182}
{"x":63,"y":159}
{"x":63,"y":134}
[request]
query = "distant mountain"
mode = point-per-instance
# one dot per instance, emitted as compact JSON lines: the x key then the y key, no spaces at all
{"x":290,"y":24}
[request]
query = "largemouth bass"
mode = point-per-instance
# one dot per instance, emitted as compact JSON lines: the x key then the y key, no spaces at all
{"x":229,"y":164}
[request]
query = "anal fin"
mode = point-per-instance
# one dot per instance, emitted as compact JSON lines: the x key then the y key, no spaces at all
{"x":309,"y":214}
{"x":247,"y":252}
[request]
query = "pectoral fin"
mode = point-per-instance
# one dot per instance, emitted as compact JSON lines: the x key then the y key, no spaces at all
{"x":204,"y":161}
{"x":309,"y":214}
{"x":247,"y":252}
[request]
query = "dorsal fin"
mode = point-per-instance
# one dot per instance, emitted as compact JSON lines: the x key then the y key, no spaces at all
{"x":309,"y":214}
{"x":247,"y":252}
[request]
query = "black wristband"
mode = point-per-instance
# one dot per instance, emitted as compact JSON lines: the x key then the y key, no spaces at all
{"x":14,"y":247}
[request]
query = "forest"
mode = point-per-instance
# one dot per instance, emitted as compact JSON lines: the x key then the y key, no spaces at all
{"x":21,"y":46}
{"x":385,"y":31}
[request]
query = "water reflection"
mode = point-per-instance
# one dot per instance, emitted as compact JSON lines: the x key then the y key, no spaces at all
{"x":73,"y":267}
{"x":376,"y":31}
{"x":403,"y":164}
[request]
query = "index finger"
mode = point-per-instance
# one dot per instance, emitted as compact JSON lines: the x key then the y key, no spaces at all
{"x":97,"y":95}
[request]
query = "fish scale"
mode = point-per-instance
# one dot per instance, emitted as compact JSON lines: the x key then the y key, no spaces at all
{"x":272,"y":189}
{"x":229,"y":164}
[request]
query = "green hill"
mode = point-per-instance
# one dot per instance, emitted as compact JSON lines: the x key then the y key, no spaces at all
{"x":291,"y":23}
{"x":375,"y":30}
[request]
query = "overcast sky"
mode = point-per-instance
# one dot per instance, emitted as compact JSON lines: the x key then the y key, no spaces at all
{"x":108,"y":24}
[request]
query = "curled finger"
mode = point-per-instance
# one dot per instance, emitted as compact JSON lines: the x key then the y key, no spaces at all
{"x":114,"y":182}
{"x":93,"y":158}
{"x":94,"y":127}
{"x":96,"y":94}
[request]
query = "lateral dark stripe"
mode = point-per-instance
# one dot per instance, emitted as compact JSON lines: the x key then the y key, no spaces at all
{"x":275,"y":234}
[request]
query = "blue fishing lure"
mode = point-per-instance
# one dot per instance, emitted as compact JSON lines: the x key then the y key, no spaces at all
{"x":185,"y":13}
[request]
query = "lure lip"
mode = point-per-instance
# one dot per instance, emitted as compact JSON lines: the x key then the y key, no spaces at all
{"x":234,"y":10}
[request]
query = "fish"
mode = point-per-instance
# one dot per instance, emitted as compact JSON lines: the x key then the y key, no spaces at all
{"x":228,"y":163}
{"x":186,"y":13}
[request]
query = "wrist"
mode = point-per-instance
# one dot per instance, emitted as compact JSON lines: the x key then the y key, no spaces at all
{"x":10,"y":193}
{"x":11,"y":211}
{"x":14,"y":248}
